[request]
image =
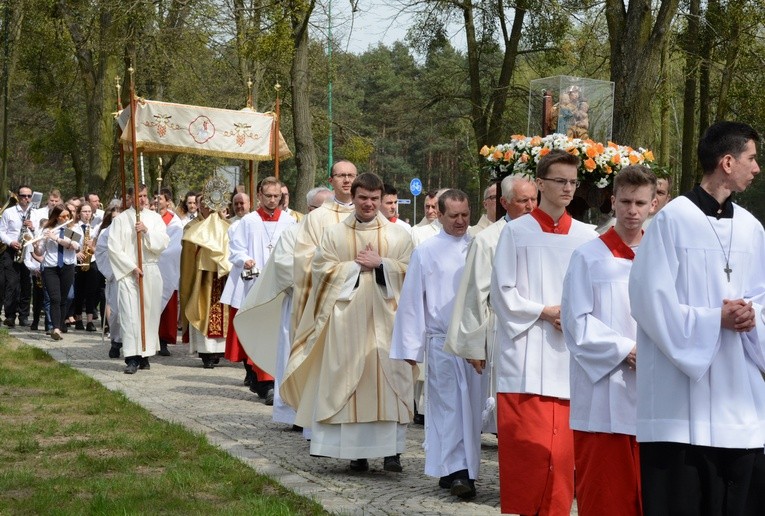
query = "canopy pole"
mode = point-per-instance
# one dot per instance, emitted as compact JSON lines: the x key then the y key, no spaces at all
{"x":137,"y":207}
{"x":122,"y":147}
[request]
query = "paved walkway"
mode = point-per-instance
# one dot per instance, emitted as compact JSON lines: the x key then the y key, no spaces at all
{"x":215,"y":403}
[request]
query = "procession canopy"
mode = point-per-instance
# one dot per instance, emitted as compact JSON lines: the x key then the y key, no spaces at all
{"x":179,"y":128}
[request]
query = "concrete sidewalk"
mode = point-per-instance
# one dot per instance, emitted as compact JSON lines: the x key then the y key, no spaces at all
{"x":214,"y":402}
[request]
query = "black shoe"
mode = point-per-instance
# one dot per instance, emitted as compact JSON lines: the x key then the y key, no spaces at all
{"x":163,"y":351}
{"x":65,"y":328}
{"x":34,"y":327}
{"x":216,"y":360}
{"x":90,"y":327}
{"x":144,"y":364}
{"x":418,"y":419}
{"x":131,"y":368}
{"x":9,"y":323}
{"x":446,"y":482}
{"x":23,"y":322}
{"x":297,"y":428}
{"x":78,"y":325}
{"x":270,"y":397}
{"x":114,"y":351}
{"x":207,"y":361}
{"x":393,"y":463}
{"x":462,"y":488}
{"x":359,"y":465}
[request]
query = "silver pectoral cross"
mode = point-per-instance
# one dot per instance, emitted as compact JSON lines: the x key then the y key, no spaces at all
{"x":270,"y":247}
{"x":727,"y":271}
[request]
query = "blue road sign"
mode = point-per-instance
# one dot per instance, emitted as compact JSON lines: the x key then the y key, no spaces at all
{"x":415,"y":186}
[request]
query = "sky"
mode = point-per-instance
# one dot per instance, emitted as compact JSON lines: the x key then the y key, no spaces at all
{"x":372,"y":22}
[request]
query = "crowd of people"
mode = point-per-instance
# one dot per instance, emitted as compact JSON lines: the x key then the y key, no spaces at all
{"x":622,"y":365}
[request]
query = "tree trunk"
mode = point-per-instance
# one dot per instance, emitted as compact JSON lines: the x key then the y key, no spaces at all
{"x":305,"y":151}
{"x":636,"y":42}
{"x":13,"y":16}
{"x":688,"y":176}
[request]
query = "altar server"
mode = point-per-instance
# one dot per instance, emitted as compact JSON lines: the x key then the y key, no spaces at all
{"x":536,"y":452}
{"x":600,"y":335}
{"x":696,"y":291}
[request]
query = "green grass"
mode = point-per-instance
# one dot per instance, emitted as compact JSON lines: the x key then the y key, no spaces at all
{"x":70,"y":446}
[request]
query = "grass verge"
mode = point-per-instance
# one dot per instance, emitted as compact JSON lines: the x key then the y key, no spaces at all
{"x":68,"y":445}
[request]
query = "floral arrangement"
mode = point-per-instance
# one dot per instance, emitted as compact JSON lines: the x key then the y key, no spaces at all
{"x":599,"y":162}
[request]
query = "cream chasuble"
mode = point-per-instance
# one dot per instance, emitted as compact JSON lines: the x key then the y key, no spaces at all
{"x":339,"y":370}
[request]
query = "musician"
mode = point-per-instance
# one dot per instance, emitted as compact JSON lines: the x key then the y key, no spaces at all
{"x":87,"y":279}
{"x":59,"y":256}
{"x":15,"y":280}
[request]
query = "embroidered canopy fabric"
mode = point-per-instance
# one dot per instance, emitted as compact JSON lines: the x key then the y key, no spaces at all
{"x":226,"y":133}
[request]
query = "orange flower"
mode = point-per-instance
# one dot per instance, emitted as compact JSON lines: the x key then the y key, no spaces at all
{"x":573,"y":150}
{"x":544,"y":151}
{"x":608,"y":169}
{"x":612,"y":145}
{"x":648,"y":155}
{"x":485,"y":151}
{"x":497,"y":154}
{"x":509,"y":155}
{"x":634,"y":158}
{"x":616,"y":159}
{"x":589,"y":164}
{"x":599,"y":148}
{"x":536,"y":141}
{"x":591,"y":152}
{"x":517,"y":137}
{"x":524,"y":158}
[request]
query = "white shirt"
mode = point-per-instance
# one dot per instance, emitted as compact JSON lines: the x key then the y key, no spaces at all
{"x":10,"y":224}
{"x":70,"y":248}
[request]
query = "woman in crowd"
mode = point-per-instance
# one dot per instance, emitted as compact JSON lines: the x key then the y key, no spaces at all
{"x":87,"y":279}
{"x":59,"y":253}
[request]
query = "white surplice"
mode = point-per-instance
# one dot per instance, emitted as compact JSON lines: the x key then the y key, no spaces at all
{"x":123,"y":258}
{"x":532,"y":356}
{"x":453,"y":392}
{"x":101,"y":256}
{"x":472,"y":327}
{"x":170,"y":260}
{"x":482,"y":224}
{"x":698,"y":383}
{"x":599,"y":333}
{"x":250,"y":238}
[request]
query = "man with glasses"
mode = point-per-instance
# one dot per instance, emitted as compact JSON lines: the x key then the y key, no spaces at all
{"x":16,"y":280}
{"x":312,"y":228}
{"x":536,"y":445}
{"x":490,"y":205}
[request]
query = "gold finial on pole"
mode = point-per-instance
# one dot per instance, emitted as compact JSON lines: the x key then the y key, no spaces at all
{"x":118,"y":85}
{"x":249,"y":92}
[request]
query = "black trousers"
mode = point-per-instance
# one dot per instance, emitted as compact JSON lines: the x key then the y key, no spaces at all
{"x":58,"y":281}
{"x":681,"y":479}
{"x":17,"y":286}
{"x":86,"y":285}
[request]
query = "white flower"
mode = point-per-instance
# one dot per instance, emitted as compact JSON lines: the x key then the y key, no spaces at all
{"x":602,"y":183}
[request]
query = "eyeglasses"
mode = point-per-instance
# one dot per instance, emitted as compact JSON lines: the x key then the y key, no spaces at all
{"x":490,"y":198}
{"x":345,"y":176}
{"x":562,"y":182}
{"x":25,"y":196}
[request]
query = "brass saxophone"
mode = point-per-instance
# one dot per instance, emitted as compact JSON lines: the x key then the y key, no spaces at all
{"x":24,"y":236}
{"x":86,"y":250}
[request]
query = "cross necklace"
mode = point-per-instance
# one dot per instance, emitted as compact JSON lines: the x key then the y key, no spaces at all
{"x":727,"y":270}
{"x":270,"y":236}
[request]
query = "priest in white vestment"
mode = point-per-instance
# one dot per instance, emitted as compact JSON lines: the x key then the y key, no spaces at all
{"x":490,"y":216}
{"x":312,"y":229}
{"x":123,"y":258}
{"x":600,"y":335}
{"x":340,"y":377}
{"x":697,"y":289}
{"x":536,"y":456}
{"x":471,"y":330}
{"x":453,"y":391}
{"x":101,"y":256}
